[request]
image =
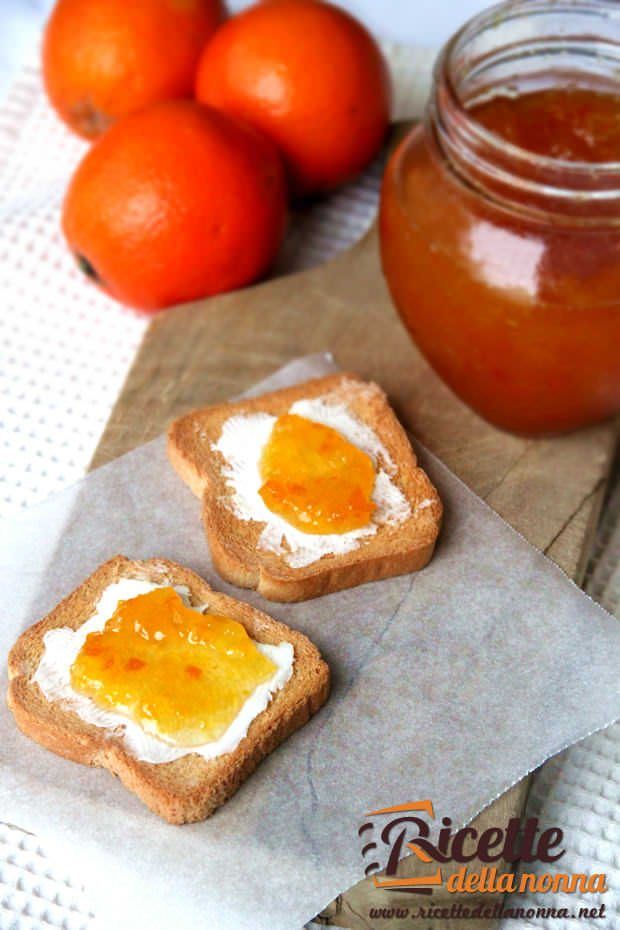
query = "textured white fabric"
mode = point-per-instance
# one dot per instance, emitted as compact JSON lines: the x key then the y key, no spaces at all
{"x":579,"y":790}
{"x":35,"y":891}
{"x":66,"y":348}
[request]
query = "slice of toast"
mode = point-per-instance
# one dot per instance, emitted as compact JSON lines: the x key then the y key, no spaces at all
{"x":192,"y":787}
{"x":235,"y":543}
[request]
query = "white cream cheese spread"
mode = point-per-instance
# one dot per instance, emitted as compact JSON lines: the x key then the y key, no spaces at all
{"x":241,"y":444}
{"x":62,"y":645}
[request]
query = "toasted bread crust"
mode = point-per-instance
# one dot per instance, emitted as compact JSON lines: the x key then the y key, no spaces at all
{"x":393,"y":550}
{"x":191,"y":788}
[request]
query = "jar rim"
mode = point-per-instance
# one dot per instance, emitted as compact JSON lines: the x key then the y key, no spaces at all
{"x":505,"y":12}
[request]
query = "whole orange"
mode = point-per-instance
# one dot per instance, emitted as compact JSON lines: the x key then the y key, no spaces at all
{"x":176,"y":202}
{"x":103,"y":59}
{"x":310,"y":76}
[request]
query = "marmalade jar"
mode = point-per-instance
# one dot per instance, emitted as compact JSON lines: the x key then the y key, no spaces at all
{"x":500,"y":216}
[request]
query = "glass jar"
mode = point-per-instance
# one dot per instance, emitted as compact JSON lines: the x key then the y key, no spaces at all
{"x":503,"y":256}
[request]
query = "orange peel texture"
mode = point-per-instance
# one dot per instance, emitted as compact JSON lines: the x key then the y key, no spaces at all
{"x":315,"y":479}
{"x":178,"y":673}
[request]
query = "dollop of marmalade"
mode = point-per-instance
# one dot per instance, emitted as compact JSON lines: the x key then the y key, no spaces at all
{"x":180,"y":674}
{"x":315,"y":479}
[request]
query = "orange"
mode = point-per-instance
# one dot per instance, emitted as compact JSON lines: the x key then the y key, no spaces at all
{"x":103,"y":59}
{"x":176,"y":202}
{"x":308,"y":75}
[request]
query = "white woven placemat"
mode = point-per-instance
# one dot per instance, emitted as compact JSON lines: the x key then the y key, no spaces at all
{"x":64,"y":352}
{"x":579,"y":790}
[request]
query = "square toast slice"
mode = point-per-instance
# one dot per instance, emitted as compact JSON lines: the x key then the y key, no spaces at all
{"x":188,"y":789}
{"x":235,"y":542}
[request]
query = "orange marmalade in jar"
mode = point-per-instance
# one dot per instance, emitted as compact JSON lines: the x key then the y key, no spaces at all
{"x":500,"y":216}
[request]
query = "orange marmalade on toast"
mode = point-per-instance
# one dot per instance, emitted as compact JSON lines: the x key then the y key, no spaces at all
{"x":178,"y":673}
{"x":315,"y":479}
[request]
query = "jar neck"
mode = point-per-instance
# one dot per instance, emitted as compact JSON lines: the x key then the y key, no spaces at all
{"x":542,"y":43}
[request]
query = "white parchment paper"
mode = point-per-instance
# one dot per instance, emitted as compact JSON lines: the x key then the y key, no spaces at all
{"x":449,"y":684}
